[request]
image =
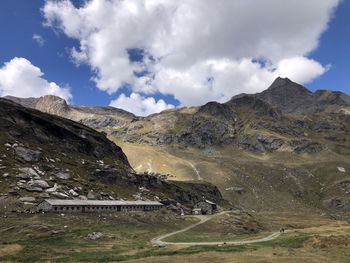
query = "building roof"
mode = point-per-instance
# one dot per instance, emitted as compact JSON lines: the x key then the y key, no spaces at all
{"x":99,"y":202}
{"x":210,"y":202}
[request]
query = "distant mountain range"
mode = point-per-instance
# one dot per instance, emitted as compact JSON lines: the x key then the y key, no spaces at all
{"x":283,"y":148}
{"x":282,"y":108}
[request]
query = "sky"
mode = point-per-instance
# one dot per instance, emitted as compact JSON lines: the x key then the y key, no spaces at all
{"x":146,"y":56}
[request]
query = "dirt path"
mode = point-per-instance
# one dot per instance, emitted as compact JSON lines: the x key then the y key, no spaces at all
{"x":158,"y":240}
{"x":195,"y":170}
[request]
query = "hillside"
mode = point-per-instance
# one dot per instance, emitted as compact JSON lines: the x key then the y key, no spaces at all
{"x":284,"y":148}
{"x":46,"y":156}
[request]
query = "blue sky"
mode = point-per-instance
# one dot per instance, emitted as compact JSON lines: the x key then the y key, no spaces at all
{"x":21,"y":19}
{"x":334,"y":49}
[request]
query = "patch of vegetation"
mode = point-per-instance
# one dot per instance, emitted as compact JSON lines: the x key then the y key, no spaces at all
{"x":114,"y":256}
{"x":51,"y":237}
{"x":287,"y":241}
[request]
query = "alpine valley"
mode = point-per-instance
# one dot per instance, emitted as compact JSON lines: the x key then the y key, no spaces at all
{"x":279,"y":158}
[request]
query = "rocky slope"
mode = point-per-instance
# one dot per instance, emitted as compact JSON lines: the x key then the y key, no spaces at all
{"x":46,"y":156}
{"x":95,"y":117}
{"x":285,"y":117}
{"x":283,"y":148}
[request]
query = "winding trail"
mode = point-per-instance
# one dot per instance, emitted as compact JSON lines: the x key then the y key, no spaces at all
{"x":199,"y":177}
{"x":158,"y":240}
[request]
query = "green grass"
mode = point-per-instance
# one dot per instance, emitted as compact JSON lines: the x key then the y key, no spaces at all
{"x":126,"y":236}
{"x":213,"y":237}
{"x":157,"y":252}
{"x":287,"y":241}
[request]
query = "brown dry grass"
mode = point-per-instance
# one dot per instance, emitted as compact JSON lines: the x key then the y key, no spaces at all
{"x":7,"y":250}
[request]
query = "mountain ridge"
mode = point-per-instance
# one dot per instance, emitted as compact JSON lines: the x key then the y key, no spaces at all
{"x":278,"y":112}
{"x":259,"y":154}
{"x":278,"y":95}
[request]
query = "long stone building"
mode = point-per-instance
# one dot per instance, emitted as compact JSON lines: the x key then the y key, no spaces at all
{"x":59,"y":205}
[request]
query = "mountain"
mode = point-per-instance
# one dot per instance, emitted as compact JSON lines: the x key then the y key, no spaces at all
{"x":47,"y":156}
{"x":290,"y":97}
{"x":284,"y":148}
{"x":95,"y":117}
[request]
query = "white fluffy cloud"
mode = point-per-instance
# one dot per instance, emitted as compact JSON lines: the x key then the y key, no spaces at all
{"x":20,"y":78}
{"x":195,"y":50}
{"x":140,"y":105}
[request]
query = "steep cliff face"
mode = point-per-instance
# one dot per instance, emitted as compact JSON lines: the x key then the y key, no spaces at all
{"x":38,"y":129}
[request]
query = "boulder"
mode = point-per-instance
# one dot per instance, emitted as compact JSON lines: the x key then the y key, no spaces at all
{"x":341,"y":169}
{"x":52,"y":189}
{"x":95,"y":235}
{"x":63,"y":176}
{"x":34,"y":189}
{"x":59,"y":195}
{"x":44,"y":195}
{"x":27,"y":173}
{"x":27,"y":199}
{"x":41,"y":183}
{"x":73,"y":193}
{"x":28,"y":155}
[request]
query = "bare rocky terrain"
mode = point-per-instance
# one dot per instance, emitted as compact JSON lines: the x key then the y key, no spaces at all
{"x":283,"y":148}
{"x":46,"y":156}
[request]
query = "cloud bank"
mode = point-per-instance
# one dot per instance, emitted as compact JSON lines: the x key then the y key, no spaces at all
{"x":195,"y":50}
{"x":140,"y":105}
{"x":20,"y":78}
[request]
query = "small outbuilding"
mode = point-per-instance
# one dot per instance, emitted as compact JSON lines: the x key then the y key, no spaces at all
{"x":59,"y":205}
{"x":196,"y":211}
{"x":204,"y":207}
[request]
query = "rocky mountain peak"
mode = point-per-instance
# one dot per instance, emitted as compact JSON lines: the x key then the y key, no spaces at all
{"x":286,"y":87}
{"x":52,"y":104}
{"x":287,"y":95}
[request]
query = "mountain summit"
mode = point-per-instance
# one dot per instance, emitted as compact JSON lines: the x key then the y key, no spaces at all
{"x":291,"y":97}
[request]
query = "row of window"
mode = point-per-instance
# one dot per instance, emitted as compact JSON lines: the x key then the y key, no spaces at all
{"x":103,"y":207}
